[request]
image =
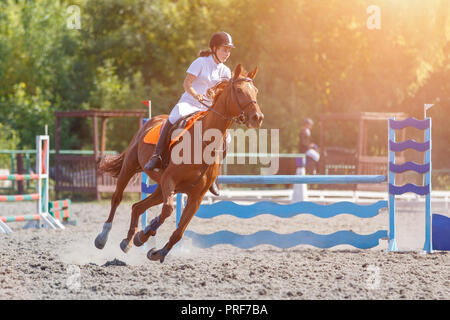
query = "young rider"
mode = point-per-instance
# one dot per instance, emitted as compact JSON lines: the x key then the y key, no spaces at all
{"x":205,"y":72}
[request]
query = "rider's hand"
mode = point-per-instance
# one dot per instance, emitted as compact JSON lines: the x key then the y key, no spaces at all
{"x":200,"y":97}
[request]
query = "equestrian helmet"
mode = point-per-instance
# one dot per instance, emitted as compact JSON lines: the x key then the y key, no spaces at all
{"x":221,"y":39}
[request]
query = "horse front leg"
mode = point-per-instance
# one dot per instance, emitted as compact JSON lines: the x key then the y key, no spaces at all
{"x":189,"y":211}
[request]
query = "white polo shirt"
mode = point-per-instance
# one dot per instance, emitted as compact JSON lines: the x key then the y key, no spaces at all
{"x":208,"y":73}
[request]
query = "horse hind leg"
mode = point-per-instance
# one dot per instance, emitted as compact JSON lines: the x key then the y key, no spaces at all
{"x":137,"y":210}
{"x":123,"y":179}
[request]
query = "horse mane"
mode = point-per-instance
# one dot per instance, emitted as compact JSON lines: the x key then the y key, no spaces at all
{"x":214,"y":92}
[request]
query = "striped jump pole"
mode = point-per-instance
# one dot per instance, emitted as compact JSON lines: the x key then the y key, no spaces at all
{"x":20,"y":197}
{"x":27,"y":217}
{"x":60,"y":209}
{"x":42,"y":218}
{"x":19,"y":177}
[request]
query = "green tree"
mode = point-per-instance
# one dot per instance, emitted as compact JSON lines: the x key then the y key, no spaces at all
{"x":314,"y":57}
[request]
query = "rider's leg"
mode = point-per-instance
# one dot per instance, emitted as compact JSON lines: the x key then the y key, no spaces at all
{"x":309,"y":165}
{"x":156,"y":159}
{"x":180,"y":110}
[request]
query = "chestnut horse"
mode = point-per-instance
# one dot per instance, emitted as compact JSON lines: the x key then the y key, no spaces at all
{"x":234,"y":100}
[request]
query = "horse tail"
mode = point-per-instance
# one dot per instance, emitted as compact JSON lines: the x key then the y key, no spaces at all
{"x":111,"y":164}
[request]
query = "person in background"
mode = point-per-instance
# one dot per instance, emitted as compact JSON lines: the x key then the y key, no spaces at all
{"x":309,"y":148}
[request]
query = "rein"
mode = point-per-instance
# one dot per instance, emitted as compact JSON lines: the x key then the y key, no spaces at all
{"x":241,"y":118}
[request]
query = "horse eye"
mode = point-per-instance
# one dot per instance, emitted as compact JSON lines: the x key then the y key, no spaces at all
{"x":239,"y":90}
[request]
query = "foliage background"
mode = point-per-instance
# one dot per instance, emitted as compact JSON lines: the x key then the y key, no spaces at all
{"x":314,"y":57}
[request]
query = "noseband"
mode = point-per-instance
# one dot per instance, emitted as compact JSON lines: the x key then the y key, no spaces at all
{"x":241,"y":117}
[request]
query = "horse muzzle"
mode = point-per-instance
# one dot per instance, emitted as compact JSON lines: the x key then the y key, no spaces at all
{"x":255,"y":120}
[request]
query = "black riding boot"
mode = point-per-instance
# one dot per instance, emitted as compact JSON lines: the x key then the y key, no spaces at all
{"x":156,"y":160}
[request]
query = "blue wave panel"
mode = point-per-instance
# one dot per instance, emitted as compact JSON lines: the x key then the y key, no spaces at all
{"x":399,"y":168}
{"x":410,"y":122}
{"x":290,"y":210}
{"x":285,"y":241}
{"x":409,"y":187}
{"x":148,"y":189}
{"x":409,"y":144}
{"x":441,"y":232}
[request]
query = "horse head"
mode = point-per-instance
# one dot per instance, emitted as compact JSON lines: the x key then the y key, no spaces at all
{"x":243,"y":104}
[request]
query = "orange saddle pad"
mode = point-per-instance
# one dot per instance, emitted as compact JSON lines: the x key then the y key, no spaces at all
{"x":153,"y":134}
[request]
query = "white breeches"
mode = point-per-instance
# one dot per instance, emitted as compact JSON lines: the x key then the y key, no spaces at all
{"x":181,"y":110}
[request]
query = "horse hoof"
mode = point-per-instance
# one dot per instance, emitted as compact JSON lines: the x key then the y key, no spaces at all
{"x":100,"y":242}
{"x":102,"y":237}
{"x":136,"y":240}
{"x":154,"y":255}
{"x":125,"y":246}
{"x":151,"y":254}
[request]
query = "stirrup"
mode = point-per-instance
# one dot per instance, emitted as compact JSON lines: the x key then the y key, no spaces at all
{"x":154,"y":163}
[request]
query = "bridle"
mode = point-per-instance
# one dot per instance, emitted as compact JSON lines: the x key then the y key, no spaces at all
{"x":241,"y":117}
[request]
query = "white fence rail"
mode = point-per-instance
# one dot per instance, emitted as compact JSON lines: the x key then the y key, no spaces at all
{"x":328,"y":196}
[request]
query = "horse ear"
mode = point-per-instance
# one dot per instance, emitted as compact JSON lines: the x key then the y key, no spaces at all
{"x":252,"y":74}
{"x":237,"y":71}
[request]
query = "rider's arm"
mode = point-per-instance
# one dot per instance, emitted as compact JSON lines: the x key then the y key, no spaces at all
{"x":187,"y":85}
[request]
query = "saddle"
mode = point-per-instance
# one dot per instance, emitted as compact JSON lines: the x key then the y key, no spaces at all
{"x":184,"y":124}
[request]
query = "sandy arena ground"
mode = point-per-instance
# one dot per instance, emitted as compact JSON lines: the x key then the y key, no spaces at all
{"x":64,"y":264}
